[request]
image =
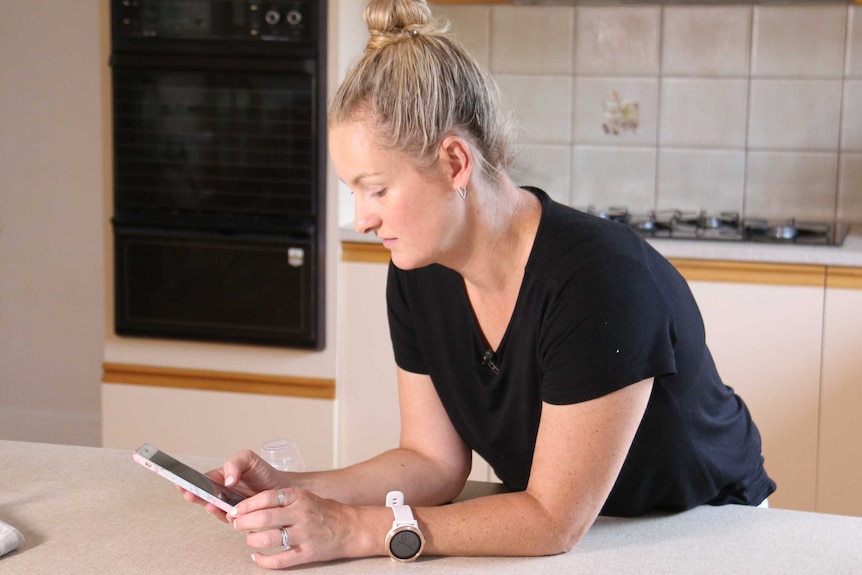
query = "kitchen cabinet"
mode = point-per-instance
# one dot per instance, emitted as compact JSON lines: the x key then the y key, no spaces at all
{"x":185,"y":421}
{"x":840,"y":462}
{"x":367,"y":391}
{"x":766,"y":337}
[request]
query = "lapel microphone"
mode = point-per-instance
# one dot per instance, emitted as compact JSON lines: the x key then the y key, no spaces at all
{"x":488,"y":361}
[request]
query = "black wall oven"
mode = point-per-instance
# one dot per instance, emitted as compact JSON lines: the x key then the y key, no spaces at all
{"x":219,"y":162}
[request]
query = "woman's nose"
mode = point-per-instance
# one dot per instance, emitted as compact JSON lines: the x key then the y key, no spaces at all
{"x":364,"y":220}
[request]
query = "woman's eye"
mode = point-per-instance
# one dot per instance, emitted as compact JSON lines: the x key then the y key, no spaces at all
{"x":379,"y":193}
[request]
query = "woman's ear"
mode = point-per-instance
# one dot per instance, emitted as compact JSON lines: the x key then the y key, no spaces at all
{"x":456,"y":161}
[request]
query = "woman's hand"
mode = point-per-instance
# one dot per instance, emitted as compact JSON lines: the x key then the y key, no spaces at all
{"x":245,"y":473}
{"x":291,"y":526}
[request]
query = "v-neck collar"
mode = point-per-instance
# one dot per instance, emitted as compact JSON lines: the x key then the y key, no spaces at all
{"x":478,"y":335}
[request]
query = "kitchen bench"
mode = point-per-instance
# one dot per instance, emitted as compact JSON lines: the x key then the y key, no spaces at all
{"x":93,"y":511}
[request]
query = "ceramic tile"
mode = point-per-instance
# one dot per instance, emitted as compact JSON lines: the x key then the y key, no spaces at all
{"x":546,"y":167}
{"x":471,"y":25}
{"x":594,"y":118}
{"x":542,"y":105}
{"x":854,"y":44}
{"x":703,"y":112}
{"x":791,"y":184}
{"x":851,"y":119}
{"x":706,"y":40}
{"x":612,"y":176}
{"x":850,"y":189}
{"x":711,"y":180}
{"x":799,"y":41}
{"x":532,"y":39}
{"x":617,"y":40}
{"x":795,"y":114}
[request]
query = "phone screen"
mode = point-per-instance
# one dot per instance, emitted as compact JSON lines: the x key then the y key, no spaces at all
{"x":196,"y":478}
{"x":168,"y":464}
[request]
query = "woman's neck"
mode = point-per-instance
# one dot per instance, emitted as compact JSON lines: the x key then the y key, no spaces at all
{"x":503,"y":224}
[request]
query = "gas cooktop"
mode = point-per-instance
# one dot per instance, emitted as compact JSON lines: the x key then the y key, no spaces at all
{"x":726,"y":226}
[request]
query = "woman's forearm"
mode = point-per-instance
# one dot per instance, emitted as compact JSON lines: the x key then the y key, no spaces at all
{"x":511,"y":524}
{"x":423,"y":480}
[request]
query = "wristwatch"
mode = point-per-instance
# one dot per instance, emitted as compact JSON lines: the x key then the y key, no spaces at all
{"x":405,"y":541}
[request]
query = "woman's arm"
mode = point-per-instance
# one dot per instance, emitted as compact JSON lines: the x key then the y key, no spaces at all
{"x":430,"y":466}
{"x":579,"y":452}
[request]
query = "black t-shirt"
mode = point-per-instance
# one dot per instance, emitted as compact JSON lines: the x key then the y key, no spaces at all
{"x":598,"y":309}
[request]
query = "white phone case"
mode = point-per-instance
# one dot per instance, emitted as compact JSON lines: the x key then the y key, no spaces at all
{"x":143,"y":456}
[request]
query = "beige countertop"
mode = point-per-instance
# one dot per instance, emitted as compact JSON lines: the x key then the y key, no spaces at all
{"x":92,"y":511}
{"x":849,"y":254}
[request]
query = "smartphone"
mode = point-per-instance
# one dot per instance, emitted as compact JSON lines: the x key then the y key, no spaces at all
{"x":189,"y":479}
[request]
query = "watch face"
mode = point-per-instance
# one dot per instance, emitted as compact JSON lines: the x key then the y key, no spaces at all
{"x":405,"y":544}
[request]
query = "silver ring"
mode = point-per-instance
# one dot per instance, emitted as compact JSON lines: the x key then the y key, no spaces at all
{"x":280,"y":498}
{"x":284,"y":539}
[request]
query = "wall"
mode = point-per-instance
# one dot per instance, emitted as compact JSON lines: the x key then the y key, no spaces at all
{"x":51,"y":220}
{"x":756,"y":109}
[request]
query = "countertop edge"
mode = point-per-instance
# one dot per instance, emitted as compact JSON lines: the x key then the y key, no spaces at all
{"x":848,"y":254}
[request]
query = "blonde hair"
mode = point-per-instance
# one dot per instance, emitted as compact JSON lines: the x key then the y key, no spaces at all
{"x":418,"y":85}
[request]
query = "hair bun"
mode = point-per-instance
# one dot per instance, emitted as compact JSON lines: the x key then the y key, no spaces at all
{"x":392,"y":20}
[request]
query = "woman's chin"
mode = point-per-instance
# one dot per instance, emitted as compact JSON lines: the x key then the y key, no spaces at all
{"x":405,"y":262}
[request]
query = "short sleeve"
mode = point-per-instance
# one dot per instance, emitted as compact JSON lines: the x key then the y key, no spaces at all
{"x":609,"y":327}
{"x":404,"y":342}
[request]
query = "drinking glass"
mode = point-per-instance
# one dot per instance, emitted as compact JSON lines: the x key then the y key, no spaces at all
{"x":283,"y":454}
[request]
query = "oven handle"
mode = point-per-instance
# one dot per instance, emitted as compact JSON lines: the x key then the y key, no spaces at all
{"x":197,"y":63}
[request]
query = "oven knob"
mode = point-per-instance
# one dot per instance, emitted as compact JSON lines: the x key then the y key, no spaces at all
{"x":272,"y":17}
{"x":294,"y":17}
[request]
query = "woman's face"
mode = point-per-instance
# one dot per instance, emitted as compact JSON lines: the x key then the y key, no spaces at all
{"x":417,"y":214}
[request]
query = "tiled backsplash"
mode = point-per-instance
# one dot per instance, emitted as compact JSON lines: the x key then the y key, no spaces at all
{"x":756,"y":109}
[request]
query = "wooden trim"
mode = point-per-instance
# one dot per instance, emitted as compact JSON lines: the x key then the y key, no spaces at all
{"x":751,"y":272}
{"x":180,"y":378}
{"x":364,"y":252}
{"x":692,"y":269}
{"x":847,"y":278}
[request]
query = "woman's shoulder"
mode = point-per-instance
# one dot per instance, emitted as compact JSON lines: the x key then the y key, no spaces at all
{"x":574,"y":238}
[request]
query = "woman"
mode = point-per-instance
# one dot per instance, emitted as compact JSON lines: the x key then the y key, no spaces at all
{"x":559,"y":346}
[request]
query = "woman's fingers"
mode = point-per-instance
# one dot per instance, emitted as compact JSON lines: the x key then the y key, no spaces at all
{"x":279,"y":539}
{"x":270,"y":499}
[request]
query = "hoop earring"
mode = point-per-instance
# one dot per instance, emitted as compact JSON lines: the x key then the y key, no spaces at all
{"x":462,"y":192}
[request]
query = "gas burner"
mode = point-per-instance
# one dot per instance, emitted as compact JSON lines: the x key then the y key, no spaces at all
{"x":791,"y":231}
{"x":655,"y":224}
{"x":720,"y":220}
{"x":615,"y":214}
{"x":702,"y":225}
{"x":724,"y":226}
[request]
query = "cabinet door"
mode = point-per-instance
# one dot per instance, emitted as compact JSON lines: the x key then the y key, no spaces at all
{"x":367,"y":389}
{"x":840,"y":464}
{"x":215,"y":423}
{"x":766,"y":341}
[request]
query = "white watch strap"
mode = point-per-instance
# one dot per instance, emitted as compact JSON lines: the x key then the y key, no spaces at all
{"x":403,"y":513}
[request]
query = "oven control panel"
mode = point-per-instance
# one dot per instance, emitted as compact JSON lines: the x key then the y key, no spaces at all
{"x":225,"y":20}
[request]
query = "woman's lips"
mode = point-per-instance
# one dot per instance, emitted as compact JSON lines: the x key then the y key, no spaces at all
{"x":389,"y":242}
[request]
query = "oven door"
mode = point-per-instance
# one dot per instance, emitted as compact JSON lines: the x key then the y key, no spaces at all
{"x":205,"y":285}
{"x":217,"y":136}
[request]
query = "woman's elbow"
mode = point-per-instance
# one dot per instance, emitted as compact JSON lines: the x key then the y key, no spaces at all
{"x":567,"y":538}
